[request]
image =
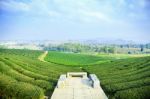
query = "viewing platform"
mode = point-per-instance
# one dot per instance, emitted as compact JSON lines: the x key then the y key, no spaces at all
{"x":77,"y":85}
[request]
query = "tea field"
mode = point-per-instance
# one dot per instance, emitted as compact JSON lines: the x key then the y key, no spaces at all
{"x":23,"y":76}
{"x":73,"y":59}
{"x":125,"y":78}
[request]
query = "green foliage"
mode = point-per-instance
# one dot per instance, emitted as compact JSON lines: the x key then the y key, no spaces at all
{"x":95,"y":47}
{"x":10,"y":88}
{"x":120,"y":77}
{"x":134,"y":93}
{"x":23,"y":76}
{"x":24,"y":52}
{"x":73,"y":59}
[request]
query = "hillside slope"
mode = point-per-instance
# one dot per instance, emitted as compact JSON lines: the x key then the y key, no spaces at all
{"x":22,"y":75}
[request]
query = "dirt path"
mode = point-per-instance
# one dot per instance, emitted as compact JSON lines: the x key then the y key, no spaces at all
{"x":41,"y":57}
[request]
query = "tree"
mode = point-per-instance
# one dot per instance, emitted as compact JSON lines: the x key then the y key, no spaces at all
{"x":142,"y":48}
{"x":111,"y":50}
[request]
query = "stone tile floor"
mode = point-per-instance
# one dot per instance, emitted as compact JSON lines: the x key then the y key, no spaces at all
{"x":78,"y":88}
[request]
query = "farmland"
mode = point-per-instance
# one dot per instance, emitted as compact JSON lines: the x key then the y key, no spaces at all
{"x":125,"y":77}
{"x":75,"y":59}
{"x":22,"y":75}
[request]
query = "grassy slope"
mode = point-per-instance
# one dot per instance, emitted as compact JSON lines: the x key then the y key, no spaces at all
{"x":124,"y":78}
{"x":75,"y":59}
{"x":129,"y":75}
{"x":22,"y":75}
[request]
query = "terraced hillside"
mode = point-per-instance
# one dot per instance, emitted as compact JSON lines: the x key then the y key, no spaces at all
{"x":127,"y":76}
{"x":23,"y":76}
{"x":124,"y":79}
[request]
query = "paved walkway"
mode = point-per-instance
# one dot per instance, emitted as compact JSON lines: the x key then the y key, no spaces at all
{"x":78,"y":88}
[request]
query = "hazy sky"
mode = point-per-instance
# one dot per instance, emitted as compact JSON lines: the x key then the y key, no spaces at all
{"x":75,"y":19}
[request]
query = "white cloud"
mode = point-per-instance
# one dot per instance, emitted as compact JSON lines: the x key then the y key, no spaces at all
{"x":98,"y":15}
{"x":71,"y":9}
{"x":53,"y":13}
{"x":86,"y":10}
{"x":14,"y":6}
{"x":141,"y":3}
{"x":121,"y":2}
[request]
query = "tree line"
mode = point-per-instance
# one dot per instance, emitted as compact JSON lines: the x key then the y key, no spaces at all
{"x":99,"y":48}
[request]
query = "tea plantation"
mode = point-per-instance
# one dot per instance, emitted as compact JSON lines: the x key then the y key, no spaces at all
{"x":23,"y":76}
{"x":124,"y":79}
{"x":73,"y":59}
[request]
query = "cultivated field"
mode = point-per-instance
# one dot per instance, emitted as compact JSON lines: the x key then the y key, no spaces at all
{"x":73,"y":59}
{"x":22,"y":75}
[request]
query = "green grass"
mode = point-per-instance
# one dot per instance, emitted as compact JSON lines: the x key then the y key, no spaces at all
{"x":121,"y":56}
{"x":73,"y":59}
{"x":22,"y":75}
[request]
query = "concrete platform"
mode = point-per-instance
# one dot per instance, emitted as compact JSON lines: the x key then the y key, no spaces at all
{"x":77,"y":87}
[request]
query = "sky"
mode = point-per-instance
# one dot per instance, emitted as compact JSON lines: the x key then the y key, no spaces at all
{"x":75,"y":19}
